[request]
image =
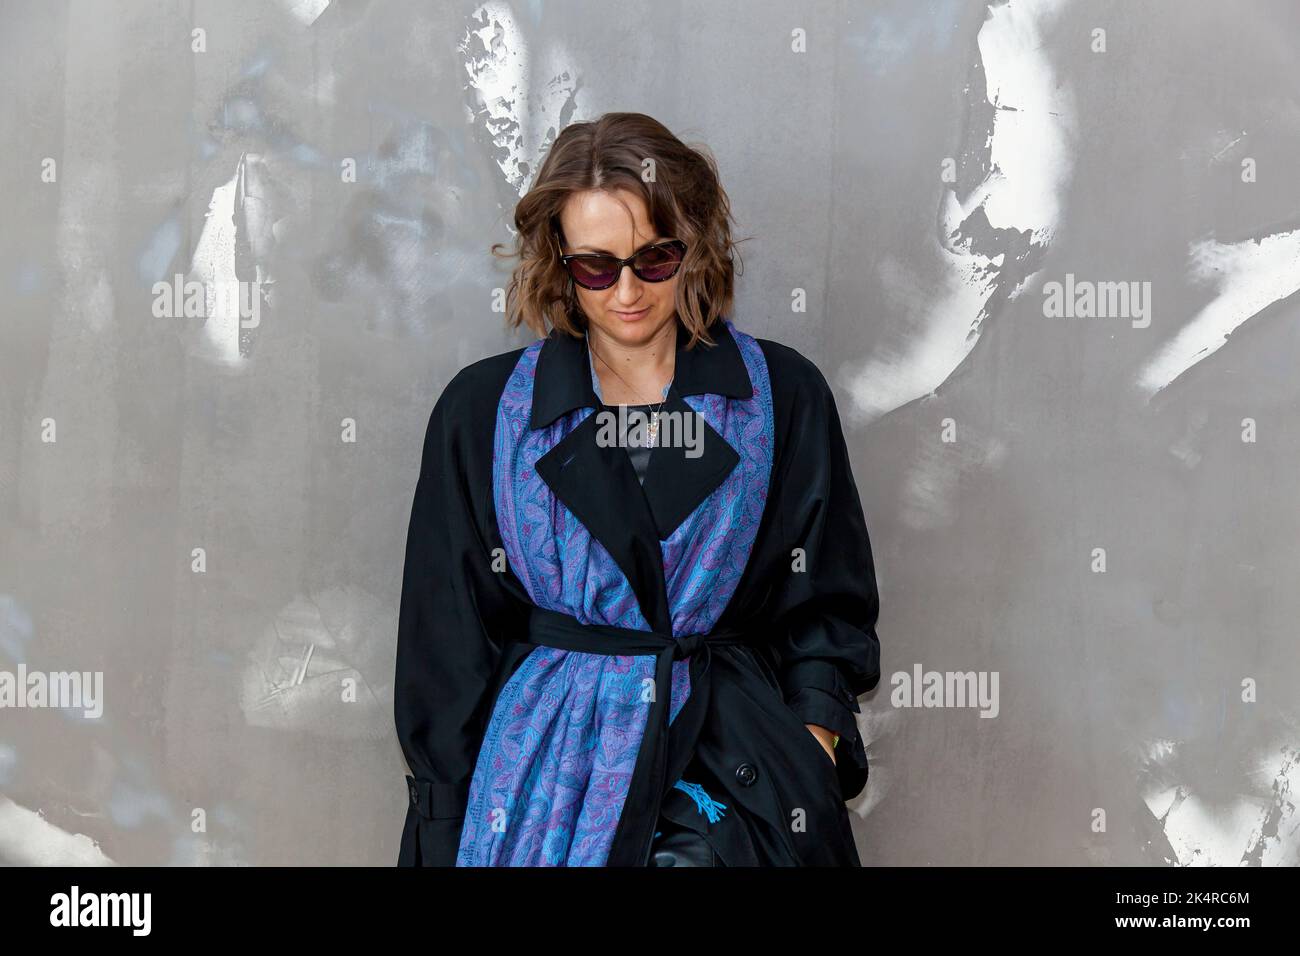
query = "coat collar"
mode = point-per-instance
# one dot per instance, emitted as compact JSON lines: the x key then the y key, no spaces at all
{"x":562,"y":381}
{"x":597,"y":481}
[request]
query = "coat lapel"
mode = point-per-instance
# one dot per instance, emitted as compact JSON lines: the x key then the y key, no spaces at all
{"x":599,"y":484}
{"x":675,"y":483}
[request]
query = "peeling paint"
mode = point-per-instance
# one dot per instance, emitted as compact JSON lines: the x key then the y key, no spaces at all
{"x":1022,"y":121}
{"x":521,"y":117}
{"x":1246,"y":819}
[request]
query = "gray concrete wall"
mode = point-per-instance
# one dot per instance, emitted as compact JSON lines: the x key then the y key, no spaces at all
{"x":1092,"y":514}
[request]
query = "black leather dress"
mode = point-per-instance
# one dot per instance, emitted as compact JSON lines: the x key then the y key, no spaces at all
{"x":678,"y":846}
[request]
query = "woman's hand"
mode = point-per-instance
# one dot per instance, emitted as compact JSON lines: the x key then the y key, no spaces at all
{"x":824,"y":737}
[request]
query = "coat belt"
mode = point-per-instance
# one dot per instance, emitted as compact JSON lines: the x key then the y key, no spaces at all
{"x":667,"y":746}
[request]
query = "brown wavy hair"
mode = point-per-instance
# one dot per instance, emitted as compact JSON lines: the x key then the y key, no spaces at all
{"x":685,"y":200}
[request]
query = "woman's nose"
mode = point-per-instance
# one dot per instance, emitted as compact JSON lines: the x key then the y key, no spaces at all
{"x":628,"y":288}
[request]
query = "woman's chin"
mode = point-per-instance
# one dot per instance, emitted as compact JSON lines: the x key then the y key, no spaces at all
{"x":632,"y":331}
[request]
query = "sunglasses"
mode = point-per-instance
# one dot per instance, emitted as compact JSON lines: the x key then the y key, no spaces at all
{"x":656,"y":263}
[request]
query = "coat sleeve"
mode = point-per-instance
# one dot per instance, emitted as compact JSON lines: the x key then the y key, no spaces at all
{"x":454,"y":608}
{"x":825,"y":633}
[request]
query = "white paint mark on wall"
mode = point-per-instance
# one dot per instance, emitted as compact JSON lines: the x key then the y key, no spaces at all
{"x":28,"y":839}
{"x":305,"y":11}
{"x":1029,"y":159}
{"x":873,"y":726}
{"x":521,"y":121}
{"x":1275,"y":839}
{"x":1033,"y":125}
{"x":215,"y":265}
{"x":214,"y":262}
{"x":1257,"y":826}
{"x":317,"y":648}
{"x":944,"y":330}
{"x":1248,"y":276}
{"x":1218,"y":156}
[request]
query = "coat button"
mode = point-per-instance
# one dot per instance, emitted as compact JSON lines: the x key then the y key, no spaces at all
{"x":747,"y":773}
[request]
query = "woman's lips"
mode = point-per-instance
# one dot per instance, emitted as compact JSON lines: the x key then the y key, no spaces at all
{"x":633,"y":316}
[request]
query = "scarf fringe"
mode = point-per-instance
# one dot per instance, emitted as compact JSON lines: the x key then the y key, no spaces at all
{"x":704,"y":803}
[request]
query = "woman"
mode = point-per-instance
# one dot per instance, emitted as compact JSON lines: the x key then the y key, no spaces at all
{"x":635,"y":640}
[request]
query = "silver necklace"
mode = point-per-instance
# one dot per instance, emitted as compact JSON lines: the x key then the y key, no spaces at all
{"x":654,"y":416}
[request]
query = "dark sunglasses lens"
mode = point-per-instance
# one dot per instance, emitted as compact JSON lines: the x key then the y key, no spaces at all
{"x":594,"y":272}
{"x":659,"y":263}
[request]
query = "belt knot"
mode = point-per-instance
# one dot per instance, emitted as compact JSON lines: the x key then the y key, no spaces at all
{"x":687,"y":645}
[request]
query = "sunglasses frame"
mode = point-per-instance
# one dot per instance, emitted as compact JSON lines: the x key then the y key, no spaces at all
{"x":629,"y":261}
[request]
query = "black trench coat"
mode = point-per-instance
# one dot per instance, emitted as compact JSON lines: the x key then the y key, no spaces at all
{"x":810,"y":646}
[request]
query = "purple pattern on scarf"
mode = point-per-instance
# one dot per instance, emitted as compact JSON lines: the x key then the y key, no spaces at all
{"x":561,"y":745}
